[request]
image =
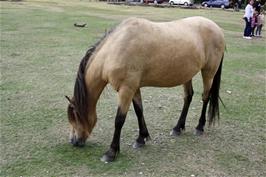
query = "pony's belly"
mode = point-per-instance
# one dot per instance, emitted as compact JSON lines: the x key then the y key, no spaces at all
{"x":158,"y":84}
{"x":168,"y":80}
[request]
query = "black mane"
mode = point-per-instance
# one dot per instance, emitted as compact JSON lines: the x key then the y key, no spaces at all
{"x":80,"y":91}
{"x":81,"y":94}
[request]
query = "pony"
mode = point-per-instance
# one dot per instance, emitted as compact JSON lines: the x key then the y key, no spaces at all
{"x":140,"y":53}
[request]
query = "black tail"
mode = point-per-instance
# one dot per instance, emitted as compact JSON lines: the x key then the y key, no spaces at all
{"x":214,"y":96}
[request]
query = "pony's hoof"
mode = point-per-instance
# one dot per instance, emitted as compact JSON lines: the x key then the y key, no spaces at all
{"x":198,"y":132}
{"x":137,"y":145}
{"x":175,"y":133}
{"x":109,"y":156}
{"x":148,"y":138}
{"x":107,"y":159}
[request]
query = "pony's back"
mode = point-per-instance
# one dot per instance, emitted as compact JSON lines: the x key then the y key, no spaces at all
{"x":150,"y":52}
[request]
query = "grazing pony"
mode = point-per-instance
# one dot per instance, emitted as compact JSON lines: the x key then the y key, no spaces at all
{"x":139,"y":53}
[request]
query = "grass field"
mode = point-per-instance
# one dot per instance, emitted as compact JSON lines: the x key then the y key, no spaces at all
{"x":40,"y":54}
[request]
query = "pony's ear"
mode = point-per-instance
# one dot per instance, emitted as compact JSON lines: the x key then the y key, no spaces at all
{"x":68,"y":99}
{"x":71,"y":104}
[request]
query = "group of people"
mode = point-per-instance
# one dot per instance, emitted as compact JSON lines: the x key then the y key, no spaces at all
{"x":254,"y":18}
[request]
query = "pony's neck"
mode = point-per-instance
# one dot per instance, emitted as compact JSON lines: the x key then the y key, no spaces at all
{"x":89,"y":85}
{"x":95,"y":86}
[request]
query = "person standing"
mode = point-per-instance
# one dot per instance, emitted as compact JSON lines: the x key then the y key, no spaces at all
{"x":260,"y":24}
{"x":254,"y":22}
{"x":247,"y":17}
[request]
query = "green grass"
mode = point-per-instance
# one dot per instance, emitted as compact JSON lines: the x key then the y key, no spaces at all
{"x":40,"y":54}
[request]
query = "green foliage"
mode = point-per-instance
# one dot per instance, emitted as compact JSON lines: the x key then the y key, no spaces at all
{"x":198,"y":1}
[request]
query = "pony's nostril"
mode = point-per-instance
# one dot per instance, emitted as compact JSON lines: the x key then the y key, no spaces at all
{"x":77,"y":142}
{"x":73,"y":140}
{"x":80,"y":142}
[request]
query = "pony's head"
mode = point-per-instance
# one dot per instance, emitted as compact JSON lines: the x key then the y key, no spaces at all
{"x":78,"y":126}
{"x":81,"y":120}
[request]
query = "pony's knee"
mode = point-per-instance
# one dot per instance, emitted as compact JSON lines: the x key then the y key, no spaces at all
{"x":120,"y":118}
{"x":188,"y":96}
{"x":188,"y":90}
{"x":205,"y":96}
{"x":125,"y":95}
{"x":207,"y":88}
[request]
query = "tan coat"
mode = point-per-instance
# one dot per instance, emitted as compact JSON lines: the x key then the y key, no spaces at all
{"x":144,"y":53}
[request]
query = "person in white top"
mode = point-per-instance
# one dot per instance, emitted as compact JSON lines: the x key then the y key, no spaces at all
{"x":247,"y":17}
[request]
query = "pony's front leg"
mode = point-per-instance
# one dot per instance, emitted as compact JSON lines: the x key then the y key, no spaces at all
{"x":125,"y":96}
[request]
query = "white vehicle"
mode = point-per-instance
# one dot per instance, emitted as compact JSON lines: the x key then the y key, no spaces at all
{"x":181,"y":2}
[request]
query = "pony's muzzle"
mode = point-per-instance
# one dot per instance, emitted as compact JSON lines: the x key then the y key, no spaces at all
{"x":78,"y":142}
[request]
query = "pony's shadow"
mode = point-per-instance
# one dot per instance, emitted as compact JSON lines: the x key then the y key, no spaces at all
{"x":89,"y":155}
{"x":90,"y":151}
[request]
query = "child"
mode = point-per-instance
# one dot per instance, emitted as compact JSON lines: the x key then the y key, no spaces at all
{"x":260,"y":24}
{"x":253,"y":22}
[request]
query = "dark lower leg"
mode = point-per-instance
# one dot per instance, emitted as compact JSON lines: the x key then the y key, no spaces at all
{"x":188,"y":90}
{"x":252,"y":31}
{"x":249,"y":28}
{"x":115,"y":145}
{"x":246,"y":27}
{"x":207,"y":83}
{"x":257,"y":31}
{"x":202,"y":120}
{"x":182,"y":119}
{"x":247,"y":31}
{"x":143,"y":131}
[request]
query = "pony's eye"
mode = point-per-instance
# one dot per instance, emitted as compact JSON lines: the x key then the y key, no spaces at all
{"x":71,"y":114}
{"x":76,"y":113}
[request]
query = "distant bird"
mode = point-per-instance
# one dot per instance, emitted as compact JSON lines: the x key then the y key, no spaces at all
{"x":80,"y":25}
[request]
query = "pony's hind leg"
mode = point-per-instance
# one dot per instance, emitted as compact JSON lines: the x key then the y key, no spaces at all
{"x":207,"y":83}
{"x":188,"y":94}
{"x":143,"y":131}
{"x":125,"y":96}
